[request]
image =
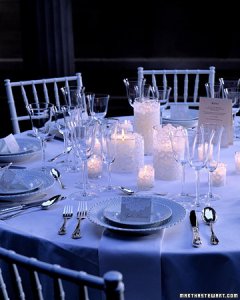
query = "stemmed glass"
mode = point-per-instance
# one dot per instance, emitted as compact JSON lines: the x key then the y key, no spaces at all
{"x":98,"y":105}
{"x":198,"y":153}
{"x":41,"y":115}
{"x":108,"y":142}
{"x":234,"y":95}
{"x":83,"y":145}
{"x":213,"y":158}
{"x":179,"y":144}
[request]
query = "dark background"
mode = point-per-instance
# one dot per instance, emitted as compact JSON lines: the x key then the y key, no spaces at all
{"x":107,"y":40}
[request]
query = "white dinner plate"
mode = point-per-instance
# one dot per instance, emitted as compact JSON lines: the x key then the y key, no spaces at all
{"x":24,"y":182}
{"x":47,"y":182}
{"x":28,"y":148}
{"x":96,"y":215}
{"x":160,"y":214}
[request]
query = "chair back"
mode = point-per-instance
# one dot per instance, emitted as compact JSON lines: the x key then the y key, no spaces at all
{"x":41,"y":90}
{"x":55,"y":277}
{"x":172,"y":78}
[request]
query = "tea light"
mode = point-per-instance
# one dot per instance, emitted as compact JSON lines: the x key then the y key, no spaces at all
{"x":146,"y":115}
{"x":129,"y":152}
{"x":237,"y":161}
{"x":145,"y":179}
{"x":204,"y":148}
{"x":165,"y":165}
{"x":126,"y":125}
{"x":94,"y":166}
{"x":219,"y":175}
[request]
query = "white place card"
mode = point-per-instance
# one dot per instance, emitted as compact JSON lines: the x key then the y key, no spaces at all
{"x":136,"y":209}
{"x":9,"y":144}
{"x":217,"y":111}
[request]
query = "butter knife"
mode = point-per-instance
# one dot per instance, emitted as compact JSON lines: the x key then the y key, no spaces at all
{"x":51,"y":201}
{"x":196,"y":242}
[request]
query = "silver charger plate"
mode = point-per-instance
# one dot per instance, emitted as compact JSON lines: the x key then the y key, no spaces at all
{"x":28,"y":148}
{"x":96,"y":216}
{"x":160,"y":214}
{"x":47,"y":182}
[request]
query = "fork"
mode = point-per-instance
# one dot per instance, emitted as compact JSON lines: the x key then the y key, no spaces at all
{"x":67,"y":214}
{"x":81,"y":215}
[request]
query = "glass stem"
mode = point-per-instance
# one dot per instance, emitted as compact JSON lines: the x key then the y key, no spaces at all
{"x":210,"y":194}
{"x":183,"y":180}
{"x":85,"y":174}
{"x":197,"y":202}
{"x":109,"y":176}
{"x":43,"y":145}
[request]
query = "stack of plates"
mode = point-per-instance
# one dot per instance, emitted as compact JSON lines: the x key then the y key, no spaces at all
{"x":28,"y":148}
{"x":165,"y":213}
{"x":35,"y":182}
{"x":189,"y":121}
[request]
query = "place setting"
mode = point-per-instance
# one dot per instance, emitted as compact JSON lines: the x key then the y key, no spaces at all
{"x":17,"y":149}
{"x":138,"y":214}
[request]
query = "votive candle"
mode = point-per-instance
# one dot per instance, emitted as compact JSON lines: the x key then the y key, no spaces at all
{"x":237,"y":161}
{"x":145,"y":179}
{"x":219,"y":175}
{"x":94,"y":166}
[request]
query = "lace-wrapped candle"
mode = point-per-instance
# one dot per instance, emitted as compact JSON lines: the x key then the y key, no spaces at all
{"x":166,"y":167}
{"x":129,"y":155}
{"x":146,"y":115}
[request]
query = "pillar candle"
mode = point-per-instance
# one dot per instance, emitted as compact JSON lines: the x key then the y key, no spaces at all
{"x":94,"y":166}
{"x":219,"y":175}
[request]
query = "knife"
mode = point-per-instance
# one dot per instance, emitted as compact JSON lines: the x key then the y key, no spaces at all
{"x":196,"y":242}
{"x":29,"y":205}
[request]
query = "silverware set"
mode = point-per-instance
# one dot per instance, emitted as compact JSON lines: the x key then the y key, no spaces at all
{"x":209,"y":216}
{"x":68,"y":214}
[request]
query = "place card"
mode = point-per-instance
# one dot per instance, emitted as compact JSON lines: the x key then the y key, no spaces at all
{"x":217,"y":111}
{"x":136,"y":209}
{"x":9,"y":144}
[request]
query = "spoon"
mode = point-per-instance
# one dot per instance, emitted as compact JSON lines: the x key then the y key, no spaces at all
{"x":56,"y":175}
{"x":209,"y":216}
{"x":66,"y":151}
{"x":126,"y":190}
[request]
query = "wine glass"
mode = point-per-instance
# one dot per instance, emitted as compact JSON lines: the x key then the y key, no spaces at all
{"x":214,"y":91}
{"x":41,"y":115}
{"x":98,"y":105}
{"x":179,"y":144}
{"x":136,"y":89}
{"x":83,"y":145}
{"x":233,"y":93}
{"x":213,"y":158}
{"x":198,"y":152}
{"x":108,"y":141}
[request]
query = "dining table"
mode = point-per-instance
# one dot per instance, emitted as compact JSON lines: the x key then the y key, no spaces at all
{"x":156,"y":264}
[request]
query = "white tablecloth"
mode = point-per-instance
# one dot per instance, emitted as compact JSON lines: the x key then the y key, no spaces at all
{"x":159,"y":266}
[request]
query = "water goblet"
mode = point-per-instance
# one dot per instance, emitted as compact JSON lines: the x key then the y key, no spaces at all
{"x":41,"y":116}
{"x":213,"y":158}
{"x":198,"y":153}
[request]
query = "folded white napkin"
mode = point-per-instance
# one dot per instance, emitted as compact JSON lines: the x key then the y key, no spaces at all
{"x":9,"y":144}
{"x":10,"y":180}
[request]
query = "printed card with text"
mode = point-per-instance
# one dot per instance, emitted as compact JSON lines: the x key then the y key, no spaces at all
{"x":217,"y":111}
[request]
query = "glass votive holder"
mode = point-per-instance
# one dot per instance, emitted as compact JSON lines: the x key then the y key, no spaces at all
{"x":95,"y":166}
{"x":145,"y":179}
{"x":219,"y":175}
{"x":237,"y":161}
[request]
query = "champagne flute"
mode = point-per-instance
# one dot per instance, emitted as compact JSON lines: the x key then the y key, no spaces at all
{"x":108,"y":130}
{"x":213,"y":158}
{"x":179,"y":144}
{"x":198,"y":153}
{"x":41,"y":115}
